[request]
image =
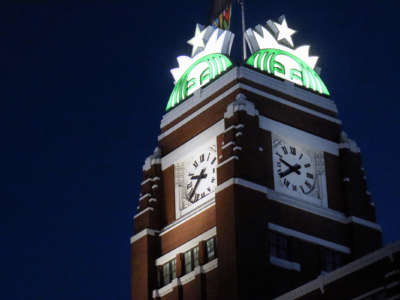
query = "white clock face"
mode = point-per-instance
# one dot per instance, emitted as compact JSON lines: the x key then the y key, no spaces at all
{"x":196,"y":177}
{"x":294,"y":169}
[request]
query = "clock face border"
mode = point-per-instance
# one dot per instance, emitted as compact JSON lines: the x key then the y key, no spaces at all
{"x":184,"y":167}
{"x":318,"y":196}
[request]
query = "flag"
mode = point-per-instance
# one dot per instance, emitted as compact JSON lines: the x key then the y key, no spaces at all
{"x":220,"y":14}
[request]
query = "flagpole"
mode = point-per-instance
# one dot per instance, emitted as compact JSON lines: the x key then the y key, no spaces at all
{"x":243,"y":30}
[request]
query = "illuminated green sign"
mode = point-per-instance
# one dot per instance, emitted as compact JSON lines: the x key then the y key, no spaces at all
{"x":211,"y":48}
{"x":273,"y":52}
{"x":287,"y":66}
{"x":197,"y":75}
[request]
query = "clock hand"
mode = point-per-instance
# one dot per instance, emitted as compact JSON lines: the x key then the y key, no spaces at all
{"x":291,"y":169}
{"x":200,"y":177}
{"x":294,"y":168}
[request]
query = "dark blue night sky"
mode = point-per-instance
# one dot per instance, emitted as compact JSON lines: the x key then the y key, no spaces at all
{"x":83,"y":88}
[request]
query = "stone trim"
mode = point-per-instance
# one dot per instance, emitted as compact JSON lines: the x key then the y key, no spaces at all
{"x":352,"y":267}
{"x":309,"y":238}
{"x":142,"y":212}
{"x":283,"y":263}
{"x":143,"y":233}
{"x":365,"y":223}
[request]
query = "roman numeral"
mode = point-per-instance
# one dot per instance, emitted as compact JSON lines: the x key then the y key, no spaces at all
{"x":189,"y":186}
{"x":191,"y":174}
{"x":213,"y":161}
{"x":278,"y":154}
{"x":284,"y":149}
{"x":311,"y":176}
{"x":301,"y":155}
{"x":203,"y":194}
{"x":201,"y":158}
{"x":293,"y":150}
{"x":213,"y":180}
{"x":213,"y":170}
{"x":196,"y":197}
{"x":208,"y":157}
{"x":279,"y":164}
{"x":302,"y":189}
{"x":307,"y":165}
{"x":308,"y":184}
{"x":294,"y":187}
{"x":209,"y":189}
{"x":286,"y":182}
{"x":195,"y":164}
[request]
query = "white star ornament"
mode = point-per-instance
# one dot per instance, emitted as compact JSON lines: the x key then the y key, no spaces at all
{"x":198,"y":40}
{"x":285,"y":33}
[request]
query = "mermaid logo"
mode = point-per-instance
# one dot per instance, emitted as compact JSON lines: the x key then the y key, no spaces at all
{"x":207,"y":63}
{"x":197,"y":75}
{"x":287,"y":66}
{"x":273,"y":53}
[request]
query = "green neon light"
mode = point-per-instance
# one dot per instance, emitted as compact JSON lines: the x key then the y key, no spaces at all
{"x":266,"y":60}
{"x":215,"y":65}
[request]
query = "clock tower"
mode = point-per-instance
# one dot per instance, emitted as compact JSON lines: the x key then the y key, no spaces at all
{"x":254,"y":190}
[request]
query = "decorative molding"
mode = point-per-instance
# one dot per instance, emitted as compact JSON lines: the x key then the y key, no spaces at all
{"x":365,"y":223}
{"x":233,"y":127}
{"x":142,"y":212}
{"x":283,"y":263}
{"x":341,"y":272}
{"x":144,"y":196}
{"x":347,"y":143}
{"x":186,"y":246}
{"x":242,"y":182}
{"x":309,"y":238}
{"x":153,"y":159}
{"x":143,"y":233}
{"x":228,"y":160}
{"x":146,"y":181}
{"x":241,"y":104}
{"x":231,"y":143}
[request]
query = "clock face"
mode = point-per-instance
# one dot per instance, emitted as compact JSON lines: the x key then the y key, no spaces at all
{"x":294,"y":169}
{"x":196,"y":177}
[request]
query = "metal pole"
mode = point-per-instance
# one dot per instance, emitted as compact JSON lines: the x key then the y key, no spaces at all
{"x":243,"y":30}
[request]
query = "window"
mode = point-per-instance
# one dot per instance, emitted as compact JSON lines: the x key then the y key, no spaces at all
{"x":188,"y":261}
{"x":331,"y":260}
{"x":191,"y":259}
{"x":210,"y":247}
{"x":278,"y":245}
{"x":169,"y":271}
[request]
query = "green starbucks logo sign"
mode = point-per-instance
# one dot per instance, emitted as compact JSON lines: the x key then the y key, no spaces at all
{"x":283,"y":64}
{"x":201,"y":72}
